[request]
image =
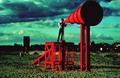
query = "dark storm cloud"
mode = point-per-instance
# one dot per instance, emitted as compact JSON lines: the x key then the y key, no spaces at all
{"x":31,"y":9}
{"x":21,"y":10}
{"x":45,"y":9}
{"x":110,"y":7}
{"x":111,"y":12}
{"x":108,"y":0}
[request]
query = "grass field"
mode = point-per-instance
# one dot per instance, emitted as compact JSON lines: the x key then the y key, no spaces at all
{"x":103,"y":65}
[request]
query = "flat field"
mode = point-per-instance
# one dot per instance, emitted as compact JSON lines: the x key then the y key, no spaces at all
{"x":103,"y":65}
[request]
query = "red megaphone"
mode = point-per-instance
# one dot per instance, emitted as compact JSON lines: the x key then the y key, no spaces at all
{"x":90,"y":13}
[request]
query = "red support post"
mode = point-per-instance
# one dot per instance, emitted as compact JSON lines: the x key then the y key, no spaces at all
{"x":87,"y":48}
{"x":82,"y":47}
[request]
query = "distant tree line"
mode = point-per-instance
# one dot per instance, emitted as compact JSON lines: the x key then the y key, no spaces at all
{"x":101,"y":47}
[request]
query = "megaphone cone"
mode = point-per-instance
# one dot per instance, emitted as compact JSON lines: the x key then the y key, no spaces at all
{"x":90,"y":13}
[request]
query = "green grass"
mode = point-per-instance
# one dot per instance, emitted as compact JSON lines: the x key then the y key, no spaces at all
{"x":103,"y":65}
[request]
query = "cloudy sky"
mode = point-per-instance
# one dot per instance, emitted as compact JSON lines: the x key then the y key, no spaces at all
{"x":39,"y":18}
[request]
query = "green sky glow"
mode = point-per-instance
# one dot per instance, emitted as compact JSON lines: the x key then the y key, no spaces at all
{"x":38,"y":19}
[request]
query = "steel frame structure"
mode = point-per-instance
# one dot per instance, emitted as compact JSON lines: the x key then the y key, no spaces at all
{"x":58,"y":55}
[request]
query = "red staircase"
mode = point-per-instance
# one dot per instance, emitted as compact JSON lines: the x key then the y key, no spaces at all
{"x":41,"y":58}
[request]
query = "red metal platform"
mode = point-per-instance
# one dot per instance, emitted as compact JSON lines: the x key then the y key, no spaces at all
{"x":57,"y":56}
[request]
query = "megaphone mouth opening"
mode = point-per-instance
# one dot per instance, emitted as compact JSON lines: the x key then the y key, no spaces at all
{"x":91,"y":13}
